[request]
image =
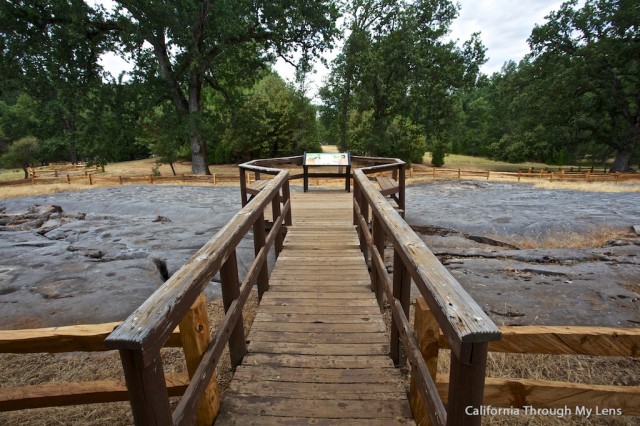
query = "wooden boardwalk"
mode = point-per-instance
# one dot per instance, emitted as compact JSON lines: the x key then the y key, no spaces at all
{"x":318,"y":351}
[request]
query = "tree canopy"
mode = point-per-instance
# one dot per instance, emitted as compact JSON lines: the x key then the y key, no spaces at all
{"x":202,"y":87}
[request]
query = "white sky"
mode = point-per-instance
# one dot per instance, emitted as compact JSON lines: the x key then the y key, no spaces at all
{"x":504,"y":25}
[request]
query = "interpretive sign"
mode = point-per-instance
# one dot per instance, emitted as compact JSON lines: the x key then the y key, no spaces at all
{"x":317,"y":159}
{"x":326,"y":159}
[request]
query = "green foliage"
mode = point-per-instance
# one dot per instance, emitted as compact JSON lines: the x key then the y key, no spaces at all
{"x":437,"y":154}
{"x":397,"y":71}
{"x":274,"y":120}
{"x":23,"y":153}
{"x":573,"y":98}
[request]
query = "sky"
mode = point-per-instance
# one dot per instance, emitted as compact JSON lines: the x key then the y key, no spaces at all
{"x":505,"y":26}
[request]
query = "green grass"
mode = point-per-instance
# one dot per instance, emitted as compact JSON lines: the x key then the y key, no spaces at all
{"x":11,"y":174}
{"x":456,"y":161}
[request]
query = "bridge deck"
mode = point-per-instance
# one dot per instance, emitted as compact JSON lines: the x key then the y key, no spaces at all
{"x":318,"y":350}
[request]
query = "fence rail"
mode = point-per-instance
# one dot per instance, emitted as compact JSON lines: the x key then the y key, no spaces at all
{"x":77,"y":338}
{"x":521,"y":392}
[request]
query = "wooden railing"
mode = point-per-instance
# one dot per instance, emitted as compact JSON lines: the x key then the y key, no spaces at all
{"x":141,"y":336}
{"x":518,"y":393}
{"x":467,"y":329}
{"x":76,"y":338}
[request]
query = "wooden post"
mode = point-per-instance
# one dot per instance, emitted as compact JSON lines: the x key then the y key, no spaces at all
{"x":243,"y":187}
{"x":427,"y":334}
{"x":402,"y":292}
{"x":230,"y":291}
{"x":259,"y":237}
{"x":214,"y":179}
{"x":364,"y":210}
{"x":286,"y":196}
{"x":378,"y":241}
{"x":488,"y":171}
{"x":466,"y":385}
{"x":68,"y":179}
{"x":458,"y":173}
{"x":519,"y":174}
{"x":194,"y":332}
{"x":402,"y":189}
{"x":434,"y":172}
{"x":90,"y":179}
{"x":275,"y":209}
{"x":120,"y":179}
{"x":147,"y":389}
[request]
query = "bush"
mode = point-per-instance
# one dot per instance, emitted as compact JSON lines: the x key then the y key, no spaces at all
{"x":437,"y":154}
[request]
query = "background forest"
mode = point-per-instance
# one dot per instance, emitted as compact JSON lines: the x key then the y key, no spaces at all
{"x":202,"y":86}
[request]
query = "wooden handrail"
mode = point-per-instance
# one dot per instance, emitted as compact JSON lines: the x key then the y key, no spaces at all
{"x":140,"y":337}
{"x":467,"y":329}
{"x":461,"y":318}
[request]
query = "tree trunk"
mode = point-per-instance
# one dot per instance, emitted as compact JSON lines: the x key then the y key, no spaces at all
{"x":199,"y":164}
{"x":172,"y":168}
{"x":25,"y":169}
{"x":621,"y":161}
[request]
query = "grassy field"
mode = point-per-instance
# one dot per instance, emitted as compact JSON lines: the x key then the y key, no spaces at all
{"x":456,"y":161}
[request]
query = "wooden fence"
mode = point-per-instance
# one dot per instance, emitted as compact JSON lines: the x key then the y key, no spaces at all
{"x":538,"y":394}
{"x":466,"y":327}
{"x":90,"y":338}
{"x":141,"y":336}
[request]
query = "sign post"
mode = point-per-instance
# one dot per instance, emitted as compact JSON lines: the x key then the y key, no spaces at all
{"x":316,"y":159}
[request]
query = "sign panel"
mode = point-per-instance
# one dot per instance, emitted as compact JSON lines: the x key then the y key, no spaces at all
{"x":326,"y":159}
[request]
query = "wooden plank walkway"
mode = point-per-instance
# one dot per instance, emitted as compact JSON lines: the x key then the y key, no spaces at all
{"x":318,"y":351}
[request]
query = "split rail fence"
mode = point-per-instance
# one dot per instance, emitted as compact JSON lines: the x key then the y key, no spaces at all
{"x":536,"y":394}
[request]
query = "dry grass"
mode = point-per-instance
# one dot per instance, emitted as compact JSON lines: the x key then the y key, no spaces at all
{"x":589,"y":186}
{"x":595,"y":236}
{"x":33,"y":369}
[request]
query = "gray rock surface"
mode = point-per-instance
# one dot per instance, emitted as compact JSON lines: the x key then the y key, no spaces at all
{"x":94,"y":256}
{"x":102,"y":252}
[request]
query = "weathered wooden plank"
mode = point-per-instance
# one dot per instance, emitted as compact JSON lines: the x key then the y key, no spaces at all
{"x":321,"y":284}
{"x":317,"y":290}
{"x":346,"y":391}
{"x":566,"y":340}
{"x":550,"y":394}
{"x":289,"y":296}
{"x":318,"y":318}
{"x":304,"y":336}
{"x":597,"y":341}
{"x":338,"y":409}
{"x":318,"y":361}
{"x":90,"y":392}
{"x":85,"y":338}
{"x":310,"y":327}
{"x":251,"y":373}
{"x":322,"y":310}
{"x":264,"y":420}
{"x":320,"y":349}
{"x":333,"y":274}
{"x":194,"y":330}
{"x":319,"y":301}
{"x":311,"y":280}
